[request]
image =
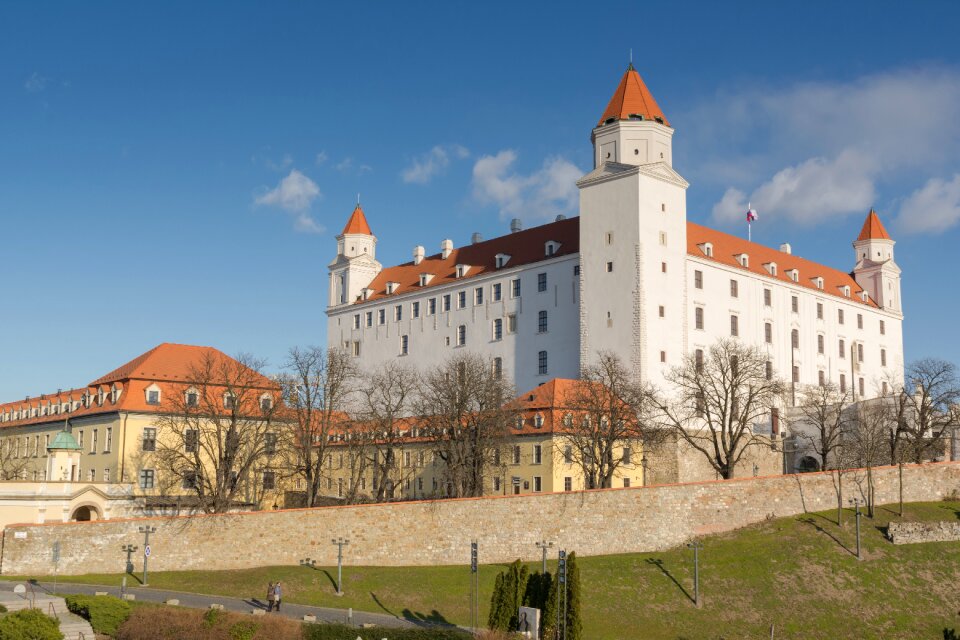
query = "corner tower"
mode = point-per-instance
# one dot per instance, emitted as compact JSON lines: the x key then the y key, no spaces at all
{"x":875,"y":268}
{"x":356,"y":264}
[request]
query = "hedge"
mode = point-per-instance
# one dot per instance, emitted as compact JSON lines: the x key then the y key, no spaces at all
{"x":342,"y":632}
{"x":105,"y":613}
{"x":29,"y":624}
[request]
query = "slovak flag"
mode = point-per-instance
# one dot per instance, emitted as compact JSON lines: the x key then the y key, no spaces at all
{"x":751,"y":213}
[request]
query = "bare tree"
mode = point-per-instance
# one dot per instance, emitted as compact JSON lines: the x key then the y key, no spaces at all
{"x":930,"y":395}
{"x":219,"y":429}
{"x":719,"y":399}
{"x":386,"y":397}
{"x":866,"y":443}
{"x":317,"y":387}
{"x":462,"y":407}
{"x":12,"y":465}
{"x":823,"y":418}
{"x":609,"y":411}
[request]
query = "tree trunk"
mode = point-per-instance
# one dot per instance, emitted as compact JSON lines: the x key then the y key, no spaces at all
{"x":901,"y":488}
{"x":839,"y":497}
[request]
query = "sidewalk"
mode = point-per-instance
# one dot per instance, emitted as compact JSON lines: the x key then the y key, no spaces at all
{"x":203,"y":601}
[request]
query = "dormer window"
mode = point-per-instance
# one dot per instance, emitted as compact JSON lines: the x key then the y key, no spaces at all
{"x":864,"y":296}
{"x":229,"y":400}
{"x":115,"y":392}
{"x":707,"y":248}
{"x":501,"y":260}
{"x":462,"y":270}
{"x":771,"y":268}
{"x":550,"y":248}
{"x":743,"y":259}
{"x":818,"y":281}
{"x":152,"y":394}
{"x":519,"y":422}
{"x":191,"y":397}
{"x":365,"y":293}
{"x":846,"y":291}
{"x":794,"y":274}
{"x":266,"y":402}
{"x":391,"y":287}
{"x":425,"y":279}
{"x":538,"y":420}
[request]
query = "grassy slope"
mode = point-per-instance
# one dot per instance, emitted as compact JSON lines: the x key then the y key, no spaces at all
{"x":797,"y":573}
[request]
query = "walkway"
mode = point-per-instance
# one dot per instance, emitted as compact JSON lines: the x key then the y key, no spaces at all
{"x":72,"y":626}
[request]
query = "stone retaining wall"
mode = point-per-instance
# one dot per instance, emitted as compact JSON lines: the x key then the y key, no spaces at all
{"x":439,"y":532}
{"x":912,"y":532}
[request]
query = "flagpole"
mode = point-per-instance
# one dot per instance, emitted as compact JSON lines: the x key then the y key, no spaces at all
{"x":749,"y":232}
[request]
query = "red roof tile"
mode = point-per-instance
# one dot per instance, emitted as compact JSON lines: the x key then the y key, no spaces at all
{"x":632,"y":98}
{"x":873,"y":228}
{"x":357,"y":223}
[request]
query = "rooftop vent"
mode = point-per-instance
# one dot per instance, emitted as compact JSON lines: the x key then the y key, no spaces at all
{"x":476,"y":237}
{"x":785,"y":248}
{"x":561,"y":217}
{"x":418,"y":253}
{"x":516,"y":225}
{"x":636,"y":116}
{"x":446,"y":248}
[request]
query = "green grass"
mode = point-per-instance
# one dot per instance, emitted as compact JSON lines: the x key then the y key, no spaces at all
{"x":796,"y":573}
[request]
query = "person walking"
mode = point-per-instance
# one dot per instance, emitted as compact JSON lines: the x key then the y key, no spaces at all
{"x":277,"y":594}
{"x":270,"y":596}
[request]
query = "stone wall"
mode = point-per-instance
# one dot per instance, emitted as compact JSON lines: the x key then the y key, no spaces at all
{"x":439,"y":532}
{"x":912,"y":532}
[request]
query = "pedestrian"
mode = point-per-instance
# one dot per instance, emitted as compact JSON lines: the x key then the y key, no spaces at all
{"x":270,"y":596}
{"x":276,"y":594}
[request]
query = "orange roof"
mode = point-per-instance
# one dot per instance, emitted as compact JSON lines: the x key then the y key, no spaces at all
{"x":167,"y":361}
{"x":523,"y":247}
{"x":873,"y":228}
{"x":726,"y":248}
{"x":357,"y":223}
{"x":632,"y":98}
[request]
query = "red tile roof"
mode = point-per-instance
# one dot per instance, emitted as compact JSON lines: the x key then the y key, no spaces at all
{"x":873,"y":228}
{"x":632,"y":98}
{"x":523,"y":247}
{"x":357,"y":223}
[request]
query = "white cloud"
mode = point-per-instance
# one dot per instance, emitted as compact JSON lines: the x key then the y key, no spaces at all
{"x":35,"y":83}
{"x":294,"y":194}
{"x":434,"y":162}
{"x":933,"y":208}
{"x":545,"y":193}
{"x":321,"y":157}
{"x":347,"y":166}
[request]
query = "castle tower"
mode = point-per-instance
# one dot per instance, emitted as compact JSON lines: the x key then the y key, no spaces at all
{"x":875,"y":268}
{"x":633,"y":236}
{"x":356,"y":265}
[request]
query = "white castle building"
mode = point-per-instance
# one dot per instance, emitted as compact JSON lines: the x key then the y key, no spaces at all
{"x":629,"y":275}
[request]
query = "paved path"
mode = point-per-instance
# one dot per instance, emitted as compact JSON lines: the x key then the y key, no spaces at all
{"x":202,"y":601}
{"x":72,"y":626}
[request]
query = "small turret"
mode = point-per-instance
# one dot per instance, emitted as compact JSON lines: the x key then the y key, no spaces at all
{"x":875,"y":268}
{"x":356,"y":264}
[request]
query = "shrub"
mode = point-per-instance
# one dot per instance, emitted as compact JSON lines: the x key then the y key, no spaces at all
{"x":29,"y":624}
{"x":3,"y":609}
{"x":166,"y":623}
{"x":243,"y":630}
{"x":105,"y":613}
{"x":212,"y":617}
{"x":341,"y":632}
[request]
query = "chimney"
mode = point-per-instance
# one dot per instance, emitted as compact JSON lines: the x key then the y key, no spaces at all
{"x":785,"y":248}
{"x":446,"y":248}
{"x":560,"y":218}
{"x":418,"y":252}
{"x":516,"y":225}
{"x":476,"y":237}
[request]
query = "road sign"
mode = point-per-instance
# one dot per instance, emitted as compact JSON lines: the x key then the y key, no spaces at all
{"x":146,"y":551}
{"x":473,"y":557}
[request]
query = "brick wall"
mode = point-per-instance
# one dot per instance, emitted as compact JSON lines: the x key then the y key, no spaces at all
{"x":439,"y":532}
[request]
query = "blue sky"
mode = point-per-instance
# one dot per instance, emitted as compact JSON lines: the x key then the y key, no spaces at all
{"x":177,"y":171}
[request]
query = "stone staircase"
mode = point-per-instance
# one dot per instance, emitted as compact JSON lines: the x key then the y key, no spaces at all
{"x":72,"y":626}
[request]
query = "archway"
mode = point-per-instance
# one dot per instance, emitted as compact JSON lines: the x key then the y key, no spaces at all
{"x":808,"y":464}
{"x":85,"y":513}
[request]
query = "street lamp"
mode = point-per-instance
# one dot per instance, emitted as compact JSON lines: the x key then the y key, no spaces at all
{"x":643,"y":464}
{"x":307,"y":562}
{"x":543,"y":546}
{"x":696,"y":545}
{"x":146,"y":531}
{"x":129,"y":549}
{"x":857,"y":502}
{"x":341,"y":543}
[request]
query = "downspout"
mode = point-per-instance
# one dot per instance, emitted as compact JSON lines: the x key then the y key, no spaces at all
{"x":123,"y":449}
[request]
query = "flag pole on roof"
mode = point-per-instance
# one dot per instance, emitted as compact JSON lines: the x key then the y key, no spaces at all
{"x":751,"y":216}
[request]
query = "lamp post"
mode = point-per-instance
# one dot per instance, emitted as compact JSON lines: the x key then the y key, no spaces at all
{"x":696,"y":545}
{"x":643,"y":465}
{"x":341,"y":543}
{"x":543,"y":546}
{"x":856,"y":502}
{"x":146,"y":531}
{"x":308,"y":562}
{"x":129,"y":549}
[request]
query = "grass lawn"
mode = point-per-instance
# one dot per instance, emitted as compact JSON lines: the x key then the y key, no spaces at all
{"x":799,"y":574}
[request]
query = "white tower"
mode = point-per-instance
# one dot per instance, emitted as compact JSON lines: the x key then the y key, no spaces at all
{"x":875,"y":269}
{"x":356,"y":265}
{"x":633,"y":224}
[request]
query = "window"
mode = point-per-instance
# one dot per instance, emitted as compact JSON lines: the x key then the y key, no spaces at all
{"x":516,"y":454}
{"x":446,"y":302}
{"x":147,"y":477}
{"x":478,"y":296}
{"x":795,"y":304}
{"x":840,"y":316}
{"x":698,"y":360}
{"x":883,"y":328}
{"x":269,"y":443}
{"x":381,"y":316}
{"x":795,"y":338}
{"x":355,"y":349}
{"x":734,"y":326}
{"x":190,"y":440}
{"x":663,"y":238}
{"x":859,"y":352}
{"x":843,"y":350}
{"x":662,"y":311}
{"x":188,"y":479}
{"x":626,"y":483}
{"x":883,"y":357}
{"x":700,"y":406}
{"x":542,"y":322}
{"x":843,"y":383}
{"x":542,"y":363}
{"x":821,"y":378}
{"x":541,"y":282}
{"x":768,"y":370}
{"x":734,"y":368}
{"x":497,"y":292}
{"x":106,"y":474}
{"x":462,"y":335}
{"x":819,"y":311}
{"x":609,"y":267}
{"x":627,"y":454}
{"x":567,"y":483}
{"x":515,"y":288}
{"x":153,"y":396}
{"x":512,"y":323}
{"x":93,"y":442}
{"x":498,"y":329}
{"x":537,"y":484}
{"x":820,"y":343}
{"x":663,"y":267}
{"x":108,"y":440}
{"x":356,"y":321}
{"x":270,"y":481}
{"x":228,"y":401}
{"x":568,"y":454}
{"x":398,"y":313}
{"x":698,"y":279}
{"x":537,"y":454}
{"x":860,"y":385}
{"x":859,"y":321}
{"x":576,"y":269}
{"x":496,"y":483}
{"x":734,"y":289}
{"x":461,"y":299}
{"x":431,"y":306}
{"x":80,"y":439}
{"x":767,"y":296}
{"x":266,"y":403}
{"x":609,"y":237}
{"x":796,"y":374}
{"x":768,"y":332}
{"x":415,"y":310}
{"x":698,"y":317}
{"x":404,"y":345}
{"x":369,"y":318}
{"x":663,"y":356}
{"x":498,"y":368}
